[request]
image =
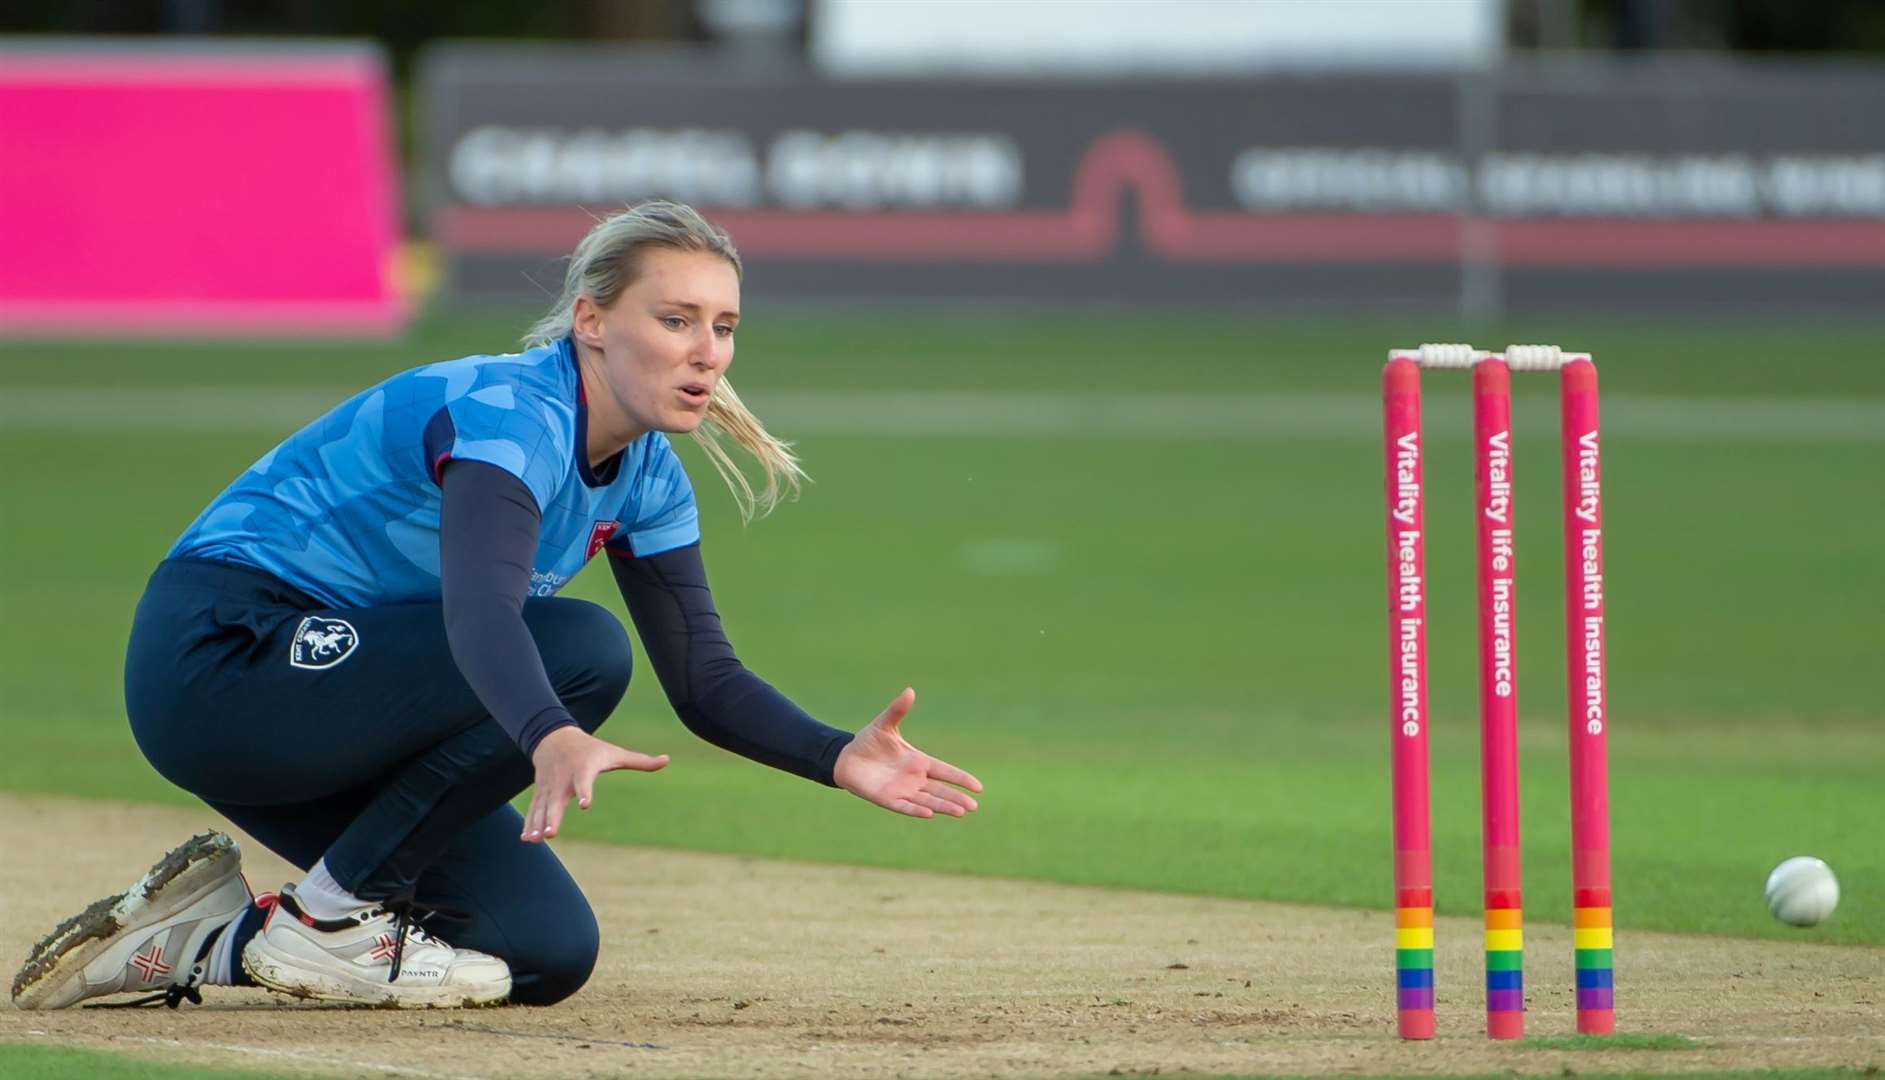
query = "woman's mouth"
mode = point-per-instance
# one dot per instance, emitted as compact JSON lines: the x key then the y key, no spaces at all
{"x":696,"y":394}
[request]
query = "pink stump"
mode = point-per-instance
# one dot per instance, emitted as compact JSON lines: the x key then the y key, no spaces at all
{"x":1498,"y":699}
{"x":1407,"y":677}
{"x":1589,"y":701}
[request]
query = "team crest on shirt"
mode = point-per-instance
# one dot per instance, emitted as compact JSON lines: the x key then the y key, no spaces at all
{"x":322,"y":643}
{"x":599,"y":534}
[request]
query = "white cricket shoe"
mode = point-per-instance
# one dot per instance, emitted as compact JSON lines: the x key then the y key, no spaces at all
{"x":150,"y":937}
{"x":375,"y":956}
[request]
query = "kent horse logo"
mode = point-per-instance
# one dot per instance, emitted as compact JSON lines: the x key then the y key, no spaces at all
{"x":322,"y":643}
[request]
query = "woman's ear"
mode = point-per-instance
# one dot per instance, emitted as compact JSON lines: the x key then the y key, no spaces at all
{"x":586,"y":322}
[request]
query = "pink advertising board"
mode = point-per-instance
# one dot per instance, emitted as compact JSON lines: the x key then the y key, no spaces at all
{"x":220,"y":190}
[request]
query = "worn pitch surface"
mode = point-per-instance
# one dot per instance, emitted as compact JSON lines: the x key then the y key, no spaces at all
{"x":735,"y":967}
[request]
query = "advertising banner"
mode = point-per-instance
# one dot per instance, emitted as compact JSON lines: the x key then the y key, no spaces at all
{"x":1300,"y":191}
{"x":204,"y":190}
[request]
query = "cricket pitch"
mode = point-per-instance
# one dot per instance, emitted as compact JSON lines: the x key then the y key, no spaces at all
{"x":725,"y":966}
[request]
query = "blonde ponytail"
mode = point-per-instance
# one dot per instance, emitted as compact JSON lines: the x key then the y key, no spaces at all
{"x":729,"y":418}
{"x":606,"y":262}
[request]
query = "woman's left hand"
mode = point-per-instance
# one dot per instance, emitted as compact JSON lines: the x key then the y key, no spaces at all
{"x":879,"y":766}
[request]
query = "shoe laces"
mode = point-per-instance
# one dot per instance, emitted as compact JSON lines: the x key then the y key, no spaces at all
{"x":408,"y":918}
{"x":171,"y":997}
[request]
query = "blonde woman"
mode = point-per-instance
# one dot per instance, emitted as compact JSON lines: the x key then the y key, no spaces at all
{"x":356,"y":654}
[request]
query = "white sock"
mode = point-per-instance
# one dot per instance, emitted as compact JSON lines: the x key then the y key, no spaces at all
{"x":322,"y":897}
{"x":219,"y":970}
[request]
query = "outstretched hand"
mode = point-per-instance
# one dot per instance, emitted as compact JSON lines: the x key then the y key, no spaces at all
{"x":568,"y":760}
{"x":879,"y":766}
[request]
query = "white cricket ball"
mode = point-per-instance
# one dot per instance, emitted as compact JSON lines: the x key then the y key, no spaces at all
{"x":1802,"y":891}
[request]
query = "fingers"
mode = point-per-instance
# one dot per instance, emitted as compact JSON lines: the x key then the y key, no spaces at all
{"x":555,"y":788}
{"x":531,"y":831}
{"x":898,"y":708}
{"x":937,"y":804}
{"x":942,"y":770}
{"x":962,"y":800}
{"x":905,"y":806}
{"x":553,"y":812}
{"x":585,"y":788}
{"x":537,"y":821}
{"x":629,"y":759}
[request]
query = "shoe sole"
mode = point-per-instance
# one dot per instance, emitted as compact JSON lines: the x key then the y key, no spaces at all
{"x":299,"y":982}
{"x":178,"y":880}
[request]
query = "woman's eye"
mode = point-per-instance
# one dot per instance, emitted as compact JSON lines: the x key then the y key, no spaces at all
{"x":674,"y":322}
{"x":723,"y":331}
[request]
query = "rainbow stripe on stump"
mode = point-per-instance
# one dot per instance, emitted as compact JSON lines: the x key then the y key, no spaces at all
{"x":1413,"y":961}
{"x":1505,"y":965}
{"x":1590,"y":931}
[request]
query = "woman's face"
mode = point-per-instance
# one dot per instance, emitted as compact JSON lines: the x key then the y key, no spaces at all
{"x":667,"y":340}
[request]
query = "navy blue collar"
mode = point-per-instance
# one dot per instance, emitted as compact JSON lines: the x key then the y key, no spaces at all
{"x":605,"y":474}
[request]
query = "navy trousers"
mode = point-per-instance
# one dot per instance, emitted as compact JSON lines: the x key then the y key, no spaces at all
{"x":349,"y":734}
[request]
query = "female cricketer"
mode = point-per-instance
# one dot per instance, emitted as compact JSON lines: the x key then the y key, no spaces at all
{"x":357,"y":655}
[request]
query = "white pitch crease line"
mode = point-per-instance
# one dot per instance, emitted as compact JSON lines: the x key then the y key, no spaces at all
{"x":297,"y":1055}
{"x":1035,"y":414}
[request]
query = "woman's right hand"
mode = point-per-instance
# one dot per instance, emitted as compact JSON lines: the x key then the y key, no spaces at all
{"x":568,"y":760}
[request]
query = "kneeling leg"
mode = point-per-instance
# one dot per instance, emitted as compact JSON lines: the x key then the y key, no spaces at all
{"x":518,"y":903}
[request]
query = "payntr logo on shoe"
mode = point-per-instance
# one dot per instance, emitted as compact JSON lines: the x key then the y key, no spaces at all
{"x":322,"y":643}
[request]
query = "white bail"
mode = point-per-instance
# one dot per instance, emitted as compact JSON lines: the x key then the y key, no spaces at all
{"x":1455,"y":355}
{"x":1534,"y":357}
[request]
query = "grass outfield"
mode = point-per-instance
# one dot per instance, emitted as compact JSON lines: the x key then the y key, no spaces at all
{"x":28,"y":1062}
{"x":1162,"y":652}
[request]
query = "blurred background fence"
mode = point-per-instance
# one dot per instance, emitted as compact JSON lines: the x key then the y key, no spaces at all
{"x":1467,"y":156}
{"x":1593,"y":183}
